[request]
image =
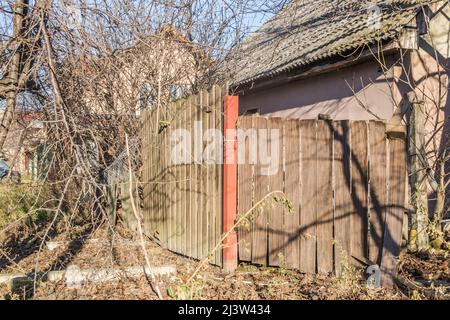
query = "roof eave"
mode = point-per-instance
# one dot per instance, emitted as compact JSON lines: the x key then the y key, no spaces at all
{"x":316,"y":67}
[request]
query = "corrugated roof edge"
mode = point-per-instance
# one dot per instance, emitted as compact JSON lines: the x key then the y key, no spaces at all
{"x":290,"y":65}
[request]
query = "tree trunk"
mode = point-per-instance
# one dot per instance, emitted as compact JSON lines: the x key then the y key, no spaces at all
{"x":418,"y":237}
{"x":11,"y":79}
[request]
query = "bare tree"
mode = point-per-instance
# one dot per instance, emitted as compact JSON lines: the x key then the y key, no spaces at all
{"x":89,"y":68}
{"x":18,"y":53}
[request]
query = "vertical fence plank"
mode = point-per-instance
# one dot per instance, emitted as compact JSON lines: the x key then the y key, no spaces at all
{"x":209,"y":175}
{"x":145,"y":178}
{"x":183,"y":188}
{"x":324,"y":197}
{"x":359,"y":174}
{"x":171,"y":186}
{"x":395,"y":211}
{"x":203,"y":179}
{"x":342,"y":199}
{"x":192,"y":203}
{"x":147,"y":149}
{"x":177,"y":178}
{"x":167,"y":183}
{"x":165,"y":201}
{"x":188,"y":208}
{"x":160,"y":183}
{"x":308,"y":212}
{"x":154,"y":187}
{"x":259,"y":241}
{"x":196,"y":200}
{"x":153,"y":191}
{"x":292,"y":181}
{"x":218,"y":118}
{"x":148,"y":194}
{"x":378,"y":188}
{"x":245,"y":188}
{"x":276,"y":231}
{"x":210,"y":183}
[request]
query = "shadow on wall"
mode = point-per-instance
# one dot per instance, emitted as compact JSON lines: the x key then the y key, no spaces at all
{"x":432,"y":87}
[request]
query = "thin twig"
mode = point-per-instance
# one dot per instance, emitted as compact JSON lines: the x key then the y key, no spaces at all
{"x":153,"y":281}
{"x":226,"y":234}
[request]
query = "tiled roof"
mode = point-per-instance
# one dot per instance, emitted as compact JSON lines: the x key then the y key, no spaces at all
{"x":306,"y":31}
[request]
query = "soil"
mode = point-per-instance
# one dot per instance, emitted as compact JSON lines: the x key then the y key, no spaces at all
{"x":248,"y":282}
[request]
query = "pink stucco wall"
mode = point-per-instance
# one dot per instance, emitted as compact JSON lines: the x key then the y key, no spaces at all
{"x":342,"y":94}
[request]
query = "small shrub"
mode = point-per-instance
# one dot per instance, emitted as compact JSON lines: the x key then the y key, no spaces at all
{"x":21,"y":201}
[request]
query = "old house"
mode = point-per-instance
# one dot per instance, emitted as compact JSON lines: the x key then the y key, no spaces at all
{"x":24,"y":143}
{"x":149,"y":72}
{"x":355,"y":60}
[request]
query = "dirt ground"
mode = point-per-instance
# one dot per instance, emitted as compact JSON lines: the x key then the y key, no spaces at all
{"x":423,"y":276}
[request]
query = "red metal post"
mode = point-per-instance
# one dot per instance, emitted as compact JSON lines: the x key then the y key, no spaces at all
{"x":230,"y":250}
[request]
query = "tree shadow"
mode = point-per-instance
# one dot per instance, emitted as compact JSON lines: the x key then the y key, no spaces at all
{"x":355,"y":171}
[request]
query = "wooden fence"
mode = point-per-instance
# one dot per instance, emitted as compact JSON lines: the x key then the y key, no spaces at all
{"x":182,"y":203}
{"x":346,"y":180}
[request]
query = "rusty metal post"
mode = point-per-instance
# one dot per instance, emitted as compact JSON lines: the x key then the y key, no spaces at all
{"x":230,"y":250}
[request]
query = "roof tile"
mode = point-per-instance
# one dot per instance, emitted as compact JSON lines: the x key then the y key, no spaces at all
{"x":309,"y":30}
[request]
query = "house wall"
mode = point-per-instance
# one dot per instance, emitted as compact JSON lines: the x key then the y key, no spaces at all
{"x":430,"y":73}
{"x":26,"y":132}
{"x":345,"y":94}
{"x":131,"y":79}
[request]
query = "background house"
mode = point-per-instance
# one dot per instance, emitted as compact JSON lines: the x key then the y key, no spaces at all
{"x":153,"y":70}
{"x":24,"y":144}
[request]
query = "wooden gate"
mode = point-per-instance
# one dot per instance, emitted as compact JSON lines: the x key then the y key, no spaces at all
{"x":346,"y":180}
{"x":182,"y":202}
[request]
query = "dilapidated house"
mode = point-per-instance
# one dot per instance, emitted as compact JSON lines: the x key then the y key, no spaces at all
{"x":358,"y":60}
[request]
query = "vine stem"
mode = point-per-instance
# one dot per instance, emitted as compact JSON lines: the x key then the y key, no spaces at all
{"x":226,"y":234}
{"x":154,"y":284}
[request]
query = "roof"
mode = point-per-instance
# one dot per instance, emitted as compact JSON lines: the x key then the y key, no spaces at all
{"x":306,"y":31}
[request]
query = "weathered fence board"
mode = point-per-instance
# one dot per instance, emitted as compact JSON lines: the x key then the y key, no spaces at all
{"x":182,"y":202}
{"x":359,"y":223}
{"x":324,"y":197}
{"x":342,"y":199}
{"x":378,"y":189}
{"x":291,"y":164}
{"x":245,"y":199}
{"x":275,"y":219}
{"x":262,"y":182}
{"x":395,"y":211}
{"x":308,"y":209}
{"x":346,"y":194}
